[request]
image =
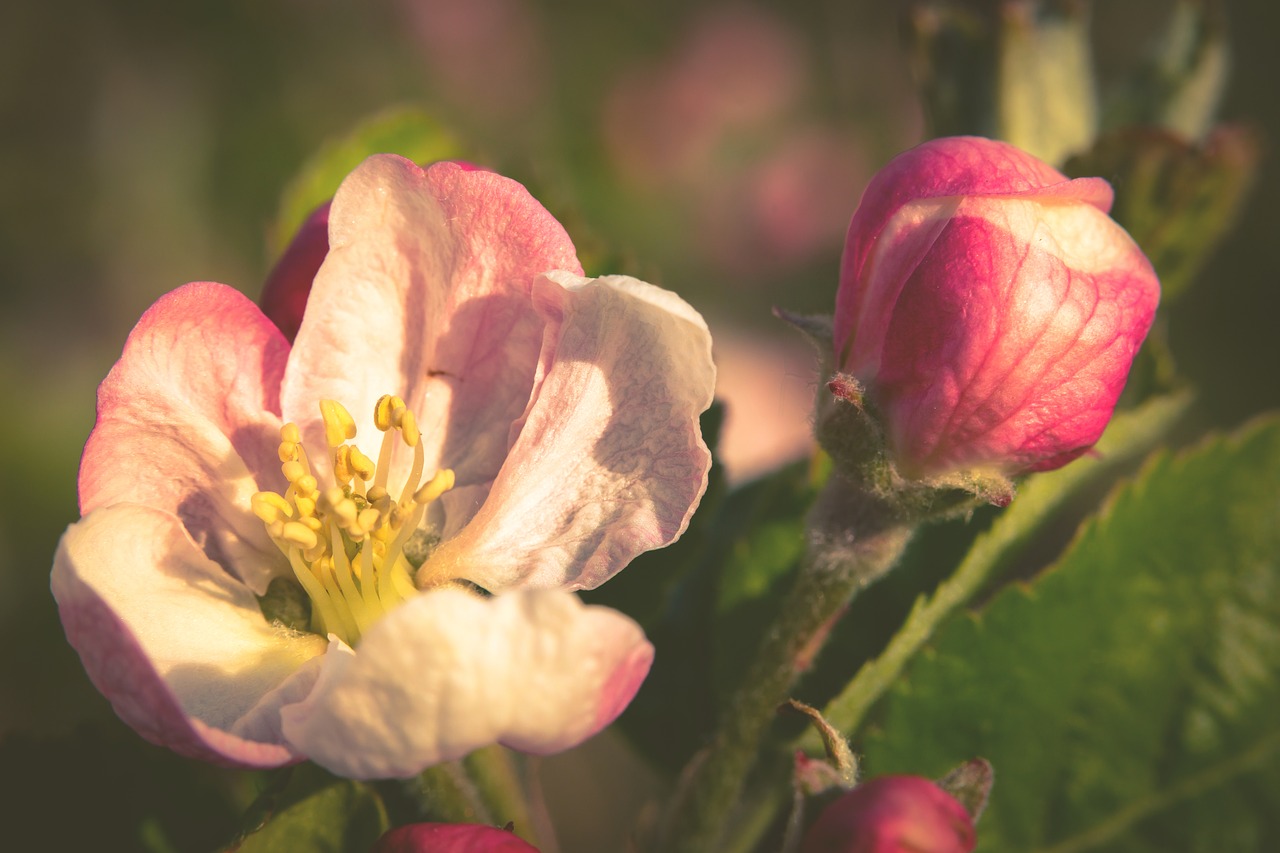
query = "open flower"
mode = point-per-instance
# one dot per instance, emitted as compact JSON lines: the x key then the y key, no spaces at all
{"x":529,"y":431}
{"x":990,"y":308}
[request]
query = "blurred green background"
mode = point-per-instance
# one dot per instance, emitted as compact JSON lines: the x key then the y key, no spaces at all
{"x":715,"y":148}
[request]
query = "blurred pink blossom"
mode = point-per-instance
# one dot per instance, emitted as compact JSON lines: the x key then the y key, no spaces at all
{"x":735,"y":67}
{"x":766,"y":385}
{"x":486,"y":54}
{"x":785,"y":207}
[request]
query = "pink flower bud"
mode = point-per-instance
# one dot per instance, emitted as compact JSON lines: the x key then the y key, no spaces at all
{"x":892,"y":814}
{"x":451,"y":838}
{"x":990,"y":307}
{"x":284,"y":296}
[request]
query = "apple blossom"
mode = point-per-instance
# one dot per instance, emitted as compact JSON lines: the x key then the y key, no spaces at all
{"x":535,"y":430}
{"x":892,"y":814}
{"x":989,"y":307}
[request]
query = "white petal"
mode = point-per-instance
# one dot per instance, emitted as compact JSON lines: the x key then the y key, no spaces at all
{"x":425,"y":294}
{"x":179,"y":647}
{"x":609,"y":460}
{"x":449,"y":672}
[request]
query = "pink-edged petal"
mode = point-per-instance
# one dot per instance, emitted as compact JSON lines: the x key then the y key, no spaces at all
{"x":1056,"y":301}
{"x":950,"y":166}
{"x":609,"y":460}
{"x":188,"y":423}
{"x":448,"y":672}
{"x":425,"y":293}
{"x":179,"y":647}
{"x":284,"y":295}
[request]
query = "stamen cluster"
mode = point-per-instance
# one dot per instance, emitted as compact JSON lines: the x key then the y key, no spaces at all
{"x":346,"y":542}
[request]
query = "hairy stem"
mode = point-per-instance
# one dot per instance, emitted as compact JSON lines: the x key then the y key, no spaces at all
{"x":1130,"y":435}
{"x":855,"y":537}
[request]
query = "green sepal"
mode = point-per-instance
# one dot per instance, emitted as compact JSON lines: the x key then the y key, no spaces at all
{"x":306,"y":808}
{"x":970,"y":784}
{"x":849,"y":430}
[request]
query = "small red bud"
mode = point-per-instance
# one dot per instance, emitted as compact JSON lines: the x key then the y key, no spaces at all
{"x":892,"y":814}
{"x":451,"y":838}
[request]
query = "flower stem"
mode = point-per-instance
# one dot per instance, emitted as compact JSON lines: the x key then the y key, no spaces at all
{"x":1130,"y":435}
{"x":504,"y":781}
{"x":488,"y":787}
{"x":854,"y":538}
{"x":447,"y":793}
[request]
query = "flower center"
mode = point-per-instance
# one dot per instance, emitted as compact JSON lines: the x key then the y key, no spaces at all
{"x":346,"y":540}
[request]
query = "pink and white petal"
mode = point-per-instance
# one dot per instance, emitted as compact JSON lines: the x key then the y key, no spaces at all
{"x":181,"y":649}
{"x":1069,"y":320}
{"x":425,"y":293}
{"x":609,"y":460}
{"x":448,"y":672}
{"x":188,"y":423}
{"x":953,"y":166}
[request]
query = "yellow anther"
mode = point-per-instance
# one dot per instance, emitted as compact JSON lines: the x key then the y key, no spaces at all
{"x":409,"y":427}
{"x":384,"y":411}
{"x":306,"y":485}
{"x":339,"y":426}
{"x":290,"y":433}
{"x":288,"y":451}
{"x":362,"y":466}
{"x":342,"y":464}
{"x":293,"y":470}
{"x":377,"y":494}
{"x":435,"y":487}
{"x":306,"y":505}
{"x":343,"y":508}
{"x":270,"y":507}
{"x":299,"y":534}
{"x":368,"y":519}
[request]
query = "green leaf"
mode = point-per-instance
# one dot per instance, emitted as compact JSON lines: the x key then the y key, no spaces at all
{"x":407,"y":131}
{"x":315,"y":812}
{"x":889,"y":623}
{"x":1127,"y":697}
{"x":758,"y":544}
